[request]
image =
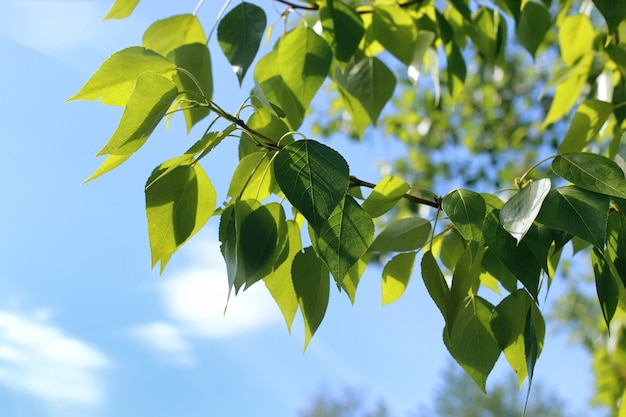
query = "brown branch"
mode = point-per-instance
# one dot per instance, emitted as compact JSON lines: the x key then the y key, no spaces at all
{"x":436,"y":203}
{"x":310,"y":6}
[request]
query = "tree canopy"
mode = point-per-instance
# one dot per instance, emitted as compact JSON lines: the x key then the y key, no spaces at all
{"x":539,"y":88}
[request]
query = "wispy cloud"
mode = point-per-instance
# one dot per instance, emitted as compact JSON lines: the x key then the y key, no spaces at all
{"x":194,"y":299}
{"x":39,"y":359}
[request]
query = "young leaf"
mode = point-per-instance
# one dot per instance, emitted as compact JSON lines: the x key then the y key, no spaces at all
{"x":344,"y":238}
{"x":466,"y":210}
{"x":532,"y":26}
{"x":575,"y":38}
{"x":178,"y":204}
{"x":435,"y":283}
{"x":396,"y":275}
{"x":312,"y":285}
{"x":313,"y":177}
{"x":239,"y":34}
{"x":342,"y":28}
{"x":592,"y":172}
{"x":279,"y":282}
{"x":385,"y":195}
{"x":163,"y":36}
{"x":395,"y":29}
{"x":402,"y":235}
{"x":606,"y":287}
{"x":121,"y":9}
{"x":471,"y":341}
{"x":576,"y":211}
{"x":521,"y":210}
{"x":587,"y":122}
{"x":151,"y":98}
{"x":115,"y":80}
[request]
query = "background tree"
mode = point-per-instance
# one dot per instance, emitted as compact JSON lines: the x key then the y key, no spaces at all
{"x":468,"y":241}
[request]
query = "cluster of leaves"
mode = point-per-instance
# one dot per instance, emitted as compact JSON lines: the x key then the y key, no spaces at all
{"x":468,"y":241}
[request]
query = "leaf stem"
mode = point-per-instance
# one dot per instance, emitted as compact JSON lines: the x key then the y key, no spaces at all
{"x":436,"y":203}
{"x":217,"y":18}
{"x":521,"y":180}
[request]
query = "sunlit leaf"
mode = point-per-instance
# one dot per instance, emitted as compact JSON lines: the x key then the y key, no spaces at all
{"x":521,"y":210}
{"x":456,"y":71}
{"x":114,"y":82}
{"x":588,"y":120}
{"x":396,"y":275}
{"x":483,"y":32}
{"x":452,"y":246}
{"x":395,"y":29}
{"x":435,"y":283}
{"x":312,"y":285}
{"x":110,"y":163}
{"x":163,"y":36}
{"x":351,"y":280}
{"x":121,"y":9}
{"x":385,"y":195}
{"x":239,"y":34}
{"x":575,"y":38}
{"x":592,"y":172}
{"x":314,"y":178}
{"x":606,"y":286}
{"x":343,"y":28}
{"x":402,"y":235}
{"x":253,"y":178}
{"x":465,"y":281}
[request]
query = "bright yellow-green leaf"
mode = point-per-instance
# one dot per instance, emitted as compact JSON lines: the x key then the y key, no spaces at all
{"x":110,"y":163}
{"x":121,"y":9}
{"x":147,"y":105}
{"x":587,"y":122}
{"x":253,"y":178}
{"x":402,"y":235}
{"x":351,"y":280}
{"x":114,"y":82}
{"x":395,"y":29}
{"x":163,"y":36}
{"x":575,"y":38}
{"x":483,"y":32}
{"x":396,"y":276}
{"x":178,"y":204}
{"x":385,"y":195}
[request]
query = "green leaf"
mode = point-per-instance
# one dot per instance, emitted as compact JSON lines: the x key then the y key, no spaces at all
{"x":312,"y":285}
{"x":465,"y":282}
{"x":576,"y":36}
{"x":239,"y":34}
{"x":521,"y":210}
{"x":614,"y":12}
{"x":402,"y":235}
{"x":178,"y":204}
{"x":592,"y":172}
{"x":110,"y":163}
{"x":345,"y":237}
{"x":531,"y":348}
{"x":196,"y":61}
{"x":147,"y":105}
{"x":304,"y":61}
{"x":279,"y":282}
{"x":606,"y":287}
{"x":516,"y":257}
{"x":462,"y":7}
{"x":532,"y":26}
{"x":313,"y":177}
{"x":114,"y":82}
{"x":163,"y":36}
{"x":509,"y":325}
{"x":368,"y":81}
{"x":396,"y":275}
{"x":435,"y":283}
{"x":456,"y":71}
{"x":262,"y":238}
{"x":267,"y":123}
{"x":471,"y":341}
{"x":395,"y":29}
{"x":121,"y":9}
{"x":385,"y":195}
{"x":452,"y":245}
{"x":351,"y":281}
{"x":576,"y":211}
{"x":342,"y":28}
{"x":587,"y":122}
{"x":483,"y":32}
{"x":616,"y":243}
{"x":253,"y":178}
{"x":466,"y":209}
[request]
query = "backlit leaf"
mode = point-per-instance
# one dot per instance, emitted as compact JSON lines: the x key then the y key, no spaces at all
{"x":345,"y":237}
{"x":163,"y":36}
{"x":147,"y":105}
{"x":312,"y":285}
{"x":588,"y":120}
{"x":178,"y":204}
{"x":465,"y":281}
{"x":483,"y":32}
{"x":396,"y":275}
{"x":452,"y":246}
{"x":532,"y":26}
{"x":435,"y":283}
{"x":592,"y":172}
{"x":351,"y":280}
{"x":456,"y":71}
{"x":395,"y":29}
{"x":579,"y":212}
{"x":521,"y":210}
{"x":575,"y":38}
{"x":253,"y":178}
{"x":343,"y":28}
{"x":402,"y":235}
{"x":385,"y":195}
{"x":114,"y":82}
{"x":121,"y":9}
{"x":606,"y":286}
{"x":313,"y":177}
{"x":239,"y":34}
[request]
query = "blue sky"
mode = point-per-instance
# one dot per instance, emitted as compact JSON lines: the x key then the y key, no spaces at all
{"x":87,"y":328}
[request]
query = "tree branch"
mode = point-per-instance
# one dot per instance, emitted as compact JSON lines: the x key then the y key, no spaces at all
{"x":436,"y":203}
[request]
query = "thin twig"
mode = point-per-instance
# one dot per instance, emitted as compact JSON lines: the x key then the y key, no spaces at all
{"x":310,"y":6}
{"x":417,"y":200}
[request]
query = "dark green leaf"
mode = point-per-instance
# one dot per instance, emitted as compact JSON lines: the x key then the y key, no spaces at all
{"x":396,"y":276}
{"x":521,"y":210}
{"x":435,"y":283}
{"x":313,"y":177}
{"x":592,"y":172}
{"x":456,"y":71}
{"x":614,"y":12}
{"x":466,"y":210}
{"x":312,"y":285}
{"x":239,"y":34}
{"x":462,"y":7}
{"x":402,"y":235}
{"x":345,"y":237}
{"x":532,"y":26}
{"x":587,"y":122}
{"x":616,"y":243}
{"x":606,"y":287}
{"x":576,"y":211}
{"x":343,"y":28}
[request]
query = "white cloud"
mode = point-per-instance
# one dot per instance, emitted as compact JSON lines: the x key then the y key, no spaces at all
{"x":39,"y":359}
{"x":194,"y":299}
{"x":166,"y":338}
